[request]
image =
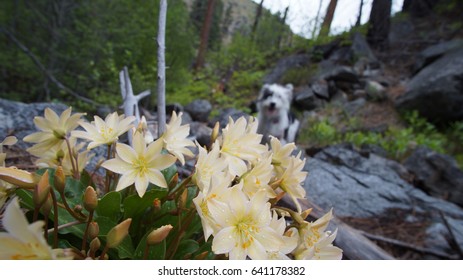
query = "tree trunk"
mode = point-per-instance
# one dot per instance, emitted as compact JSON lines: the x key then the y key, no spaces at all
{"x":378,"y":29}
{"x":257,"y":18}
{"x":315,"y":25}
{"x":359,"y":17}
{"x":162,"y":68}
{"x":326,"y":25}
{"x":418,"y":8}
{"x":206,"y":28}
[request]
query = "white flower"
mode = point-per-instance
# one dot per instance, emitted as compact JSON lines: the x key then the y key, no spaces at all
{"x":245,"y":227}
{"x":281,"y":154}
{"x":240,"y":143}
{"x":175,"y":138}
{"x":207,"y":165}
{"x":290,"y":238}
{"x":258,"y":178}
{"x":291,"y":179}
{"x":105,"y":132}
{"x":54,"y":129}
{"x":24,"y":241}
{"x":315,"y":243}
{"x":215,"y":197}
{"x":140,"y":165}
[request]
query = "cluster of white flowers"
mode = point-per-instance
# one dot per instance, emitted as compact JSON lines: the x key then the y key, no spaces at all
{"x":239,"y":182}
{"x":237,"y":178}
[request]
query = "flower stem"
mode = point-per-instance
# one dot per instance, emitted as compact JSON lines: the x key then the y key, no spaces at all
{"x":108,"y":173}
{"x":76,"y":216}
{"x":84,"y":239}
{"x":55,"y":219}
{"x":105,"y":250}
{"x":146,"y":252}
{"x":71,"y":158}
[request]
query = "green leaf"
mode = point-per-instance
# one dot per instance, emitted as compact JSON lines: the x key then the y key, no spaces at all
{"x":25,"y":198}
{"x":110,"y":206}
{"x":186,"y":249}
{"x":169,"y":172}
{"x":125,"y":250}
{"x":156,"y":252}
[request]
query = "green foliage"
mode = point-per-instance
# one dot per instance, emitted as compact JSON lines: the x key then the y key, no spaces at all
{"x":398,"y":142}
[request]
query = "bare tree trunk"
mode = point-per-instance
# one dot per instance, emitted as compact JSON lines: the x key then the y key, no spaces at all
{"x":379,"y":23}
{"x":359,"y":17}
{"x":205,"y":34}
{"x":326,"y":25}
{"x":283,"y":21}
{"x":315,"y":25}
{"x":162,"y":68}
{"x":257,"y":18}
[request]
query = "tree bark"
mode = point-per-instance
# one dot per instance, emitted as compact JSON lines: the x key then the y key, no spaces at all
{"x":326,"y":25}
{"x":206,"y":28}
{"x":359,"y":17}
{"x":315,"y":25}
{"x":162,"y":68}
{"x":379,"y":24}
{"x":257,"y":18}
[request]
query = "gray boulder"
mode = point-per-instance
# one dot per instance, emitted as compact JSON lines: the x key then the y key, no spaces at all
{"x":434,"y":52}
{"x":199,"y":110}
{"x":436,"y":92}
{"x":370,"y":186}
{"x":225,"y":114}
{"x":285,"y":64}
{"x":437,"y":174}
{"x":17,"y":118}
{"x":305,"y":99}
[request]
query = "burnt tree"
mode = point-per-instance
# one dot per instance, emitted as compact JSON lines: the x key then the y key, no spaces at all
{"x":379,"y":24}
{"x":205,"y":30}
{"x":326,"y":25}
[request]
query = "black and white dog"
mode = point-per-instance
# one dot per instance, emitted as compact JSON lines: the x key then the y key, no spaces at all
{"x":273,"y":112}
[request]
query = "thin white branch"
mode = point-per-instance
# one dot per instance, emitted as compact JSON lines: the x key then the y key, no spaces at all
{"x":162,"y":68}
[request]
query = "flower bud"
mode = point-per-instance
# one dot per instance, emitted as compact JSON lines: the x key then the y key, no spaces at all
{"x":157,"y":204}
{"x":60,"y":179}
{"x":118,"y":233}
{"x":215,"y":132}
{"x":306,"y":213}
{"x":90,"y":199}
{"x":182,"y":199}
{"x":173,"y":182}
{"x":42,"y":189}
{"x":93,"y":230}
{"x":47,"y":205}
{"x":158,"y":235}
{"x":95,"y":244}
{"x":18,"y":177}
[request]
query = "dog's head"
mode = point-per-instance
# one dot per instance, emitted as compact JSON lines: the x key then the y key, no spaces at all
{"x":273,"y":98}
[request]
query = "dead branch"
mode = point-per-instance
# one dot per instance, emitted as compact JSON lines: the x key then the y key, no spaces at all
{"x":408,"y":246}
{"x":453,"y":240}
{"x":42,"y":68}
{"x":162,"y":68}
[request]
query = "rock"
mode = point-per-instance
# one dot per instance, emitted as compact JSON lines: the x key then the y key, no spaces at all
{"x":400,"y":30}
{"x":361,"y":49}
{"x":375,"y":91}
{"x":305,"y":99}
{"x":437,"y":174}
{"x":373,"y":187}
{"x":16,"y":118}
{"x":201,"y":133}
{"x":224,"y":115}
{"x":321,"y":89}
{"x":436,"y":92}
{"x":434,"y":52}
{"x":199,"y":110}
{"x":285,"y":64}
{"x":340,"y":73}
{"x":352,"y":107}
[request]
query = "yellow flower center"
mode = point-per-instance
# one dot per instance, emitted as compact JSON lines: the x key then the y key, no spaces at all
{"x":106,"y":132}
{"x":140,"y":165}
{"x":246,"y":229}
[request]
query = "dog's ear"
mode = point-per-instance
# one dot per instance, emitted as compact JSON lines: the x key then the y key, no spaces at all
{"x":290,"y":91}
